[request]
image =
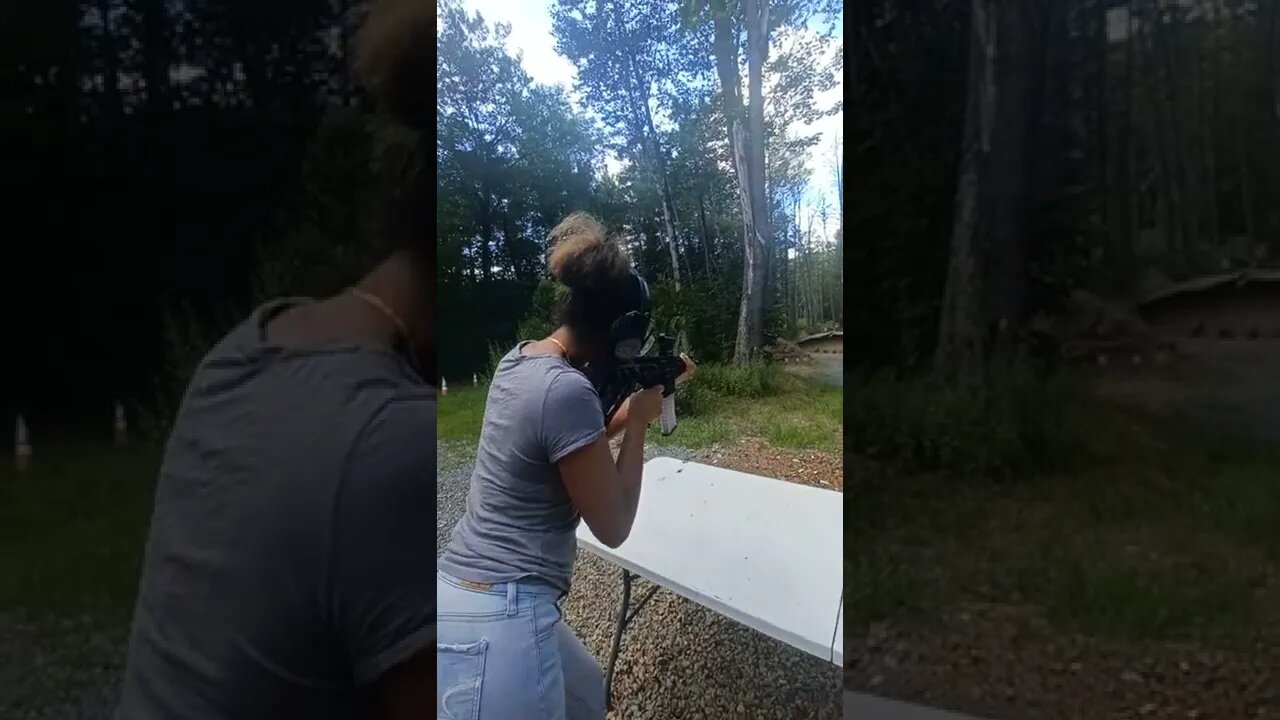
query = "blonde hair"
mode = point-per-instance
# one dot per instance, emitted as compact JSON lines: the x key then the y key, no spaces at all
{"x":595,"y":268}
{"x":583,"y":256}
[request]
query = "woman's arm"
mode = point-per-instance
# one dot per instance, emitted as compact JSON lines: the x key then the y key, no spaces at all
{"x":619,"y":421}
{"x":606,"y":490}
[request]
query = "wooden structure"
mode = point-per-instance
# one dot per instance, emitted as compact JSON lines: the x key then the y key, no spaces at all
{"x":1238,"y":305}
{"x":831,"y":342}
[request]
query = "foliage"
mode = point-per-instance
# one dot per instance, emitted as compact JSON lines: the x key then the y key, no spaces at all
{"x":516,"y":156}
{"x":324,"y":240}
{"x":540,"y":321}
{"x":1153,"y":146}
{"x":1165,"y":539}
{"x":712,"y":384}
{"x":1021,"y":423}
{"x":723,"y":406}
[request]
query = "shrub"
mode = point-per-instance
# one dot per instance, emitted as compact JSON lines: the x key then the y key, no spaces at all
{"x":1016,"y":424}
{"x":714,"y":382}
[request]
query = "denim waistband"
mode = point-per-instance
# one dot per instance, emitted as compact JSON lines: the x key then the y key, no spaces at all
{"x":525,"y":585}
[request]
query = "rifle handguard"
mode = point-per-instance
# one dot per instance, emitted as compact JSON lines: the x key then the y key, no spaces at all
{"x":615,"y":382}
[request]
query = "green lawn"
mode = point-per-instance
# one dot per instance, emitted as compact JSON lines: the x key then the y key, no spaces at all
{"x":1160,"y":533}
{"x":723,"y":405}
{"x":72,"y":529}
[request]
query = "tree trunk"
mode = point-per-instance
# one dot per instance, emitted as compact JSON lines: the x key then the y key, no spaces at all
{"x":706,"y":235}
{"x":751,"y":317}
{"x":1005,"y":180}
{"x":1102,"y":56}
{"x":1171,"y":200}
{"x":1273,"y":46}
{"x":840,"y":229}
{"x":1212,"y":130}
{"x":811,"y":314}
{"x":1179,"y":162}
{"x":486,"y":238}
{"x":987,"y":276}
{"x":649,"y":134}
{"x":1125,"y":261}
{"x":726,"y":58}
{"x":960,"y":352}
{"x":1246,"y":192}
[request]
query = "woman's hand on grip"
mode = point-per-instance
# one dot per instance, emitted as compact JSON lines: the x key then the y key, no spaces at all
{"x":645,"y":406}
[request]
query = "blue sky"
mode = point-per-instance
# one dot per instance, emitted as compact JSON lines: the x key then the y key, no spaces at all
{"x":531,"y":37}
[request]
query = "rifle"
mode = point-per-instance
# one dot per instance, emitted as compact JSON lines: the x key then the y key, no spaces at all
{"x":618,"y":380}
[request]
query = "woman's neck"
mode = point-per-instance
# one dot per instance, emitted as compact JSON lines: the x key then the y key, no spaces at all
{"x":563,"y":342}
{"x":395,"y":287}
{"x":393,"y":294}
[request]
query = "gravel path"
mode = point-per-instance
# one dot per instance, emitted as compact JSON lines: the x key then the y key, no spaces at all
{"x":68,"y":670}
{"x":678,"y":659}
{"x":830,"y":368}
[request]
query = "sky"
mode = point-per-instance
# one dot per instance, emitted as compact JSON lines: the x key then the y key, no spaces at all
{"x":532,"y":39}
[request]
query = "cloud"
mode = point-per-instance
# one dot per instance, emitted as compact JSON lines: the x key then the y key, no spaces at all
{"x":530,"y":22}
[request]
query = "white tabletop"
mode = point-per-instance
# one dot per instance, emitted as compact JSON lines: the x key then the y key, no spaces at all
{"x":765,"y":552}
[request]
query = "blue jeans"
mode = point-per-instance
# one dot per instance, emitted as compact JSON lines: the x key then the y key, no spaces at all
{"x":503,"y":653}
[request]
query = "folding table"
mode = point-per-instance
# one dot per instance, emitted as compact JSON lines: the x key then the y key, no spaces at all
{"x":766,"y":553}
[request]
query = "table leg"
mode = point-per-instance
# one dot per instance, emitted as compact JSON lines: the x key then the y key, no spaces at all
{"x":617,"y":638}
{"x":624,"y":619}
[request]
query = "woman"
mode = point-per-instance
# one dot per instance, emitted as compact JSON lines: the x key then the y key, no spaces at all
{"x":283,"y":574}
{"x":543,"y":462}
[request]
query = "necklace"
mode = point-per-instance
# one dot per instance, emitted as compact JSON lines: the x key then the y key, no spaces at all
{"x":561,"y":346}
{"x":381,"y":307}
{"x":410,"y":351}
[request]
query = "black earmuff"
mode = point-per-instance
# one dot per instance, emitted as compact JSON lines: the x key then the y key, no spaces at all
{"x":629,"y":331}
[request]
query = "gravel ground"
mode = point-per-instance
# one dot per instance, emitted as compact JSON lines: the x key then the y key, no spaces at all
{"x":1006,"y":662}
{"x":69,"y":671}
{"x":678,"y":659}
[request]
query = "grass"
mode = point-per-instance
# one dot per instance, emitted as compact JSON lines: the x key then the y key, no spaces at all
{"x":1134,"y":529}
{"x":718,"y":404}
{"x":73,"y":528}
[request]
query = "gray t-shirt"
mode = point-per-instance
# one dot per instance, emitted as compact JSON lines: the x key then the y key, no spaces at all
{"x":519,"y":521}
{"x":288,"y":563}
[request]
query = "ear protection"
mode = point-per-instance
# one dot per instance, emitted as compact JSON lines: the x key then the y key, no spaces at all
{"x":628,"y":333}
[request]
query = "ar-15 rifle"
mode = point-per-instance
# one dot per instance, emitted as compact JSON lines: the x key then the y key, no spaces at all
{"x":618,"y":380}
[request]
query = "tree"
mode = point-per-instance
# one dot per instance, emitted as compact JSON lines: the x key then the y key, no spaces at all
{"x":619,"y":48}
{"x":986,"y":303}
{"x":746,"y":141}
